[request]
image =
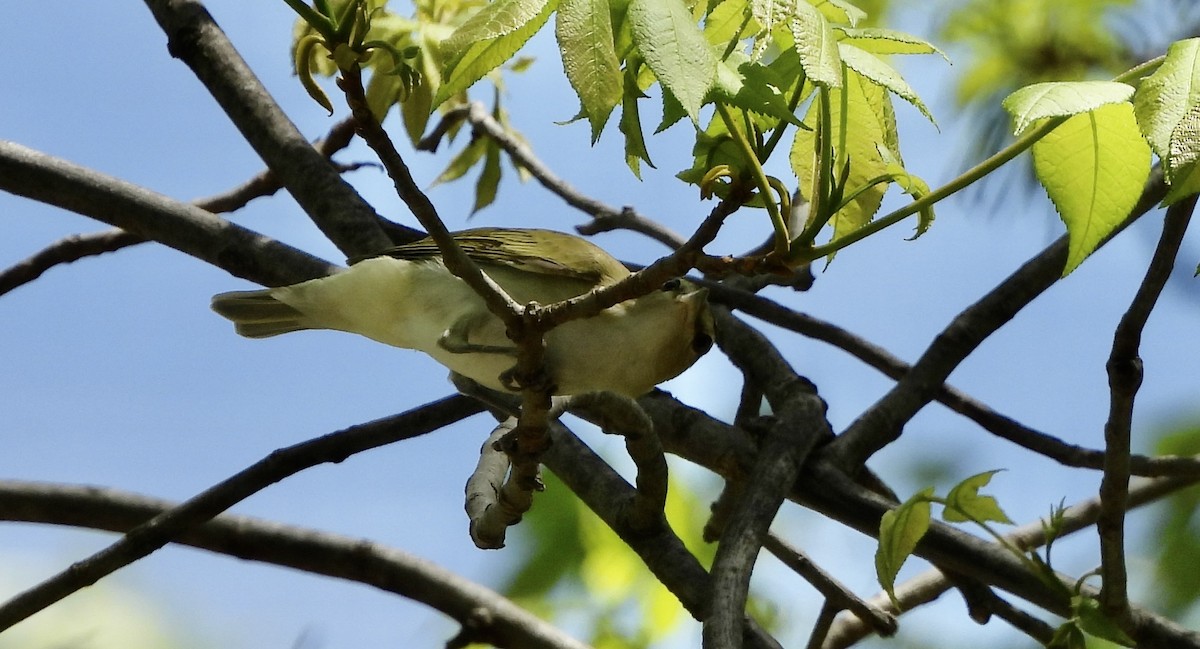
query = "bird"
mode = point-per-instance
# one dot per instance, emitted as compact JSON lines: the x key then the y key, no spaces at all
{"x":406,"y":297}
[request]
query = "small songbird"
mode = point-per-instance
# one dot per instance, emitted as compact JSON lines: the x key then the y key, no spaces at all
{"x":406,"y":297}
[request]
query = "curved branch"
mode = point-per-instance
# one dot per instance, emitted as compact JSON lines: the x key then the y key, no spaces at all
{"x":881,"y":424}
{"x":964,"y":404}
{"x":186,"y":228}
{"x":166,"y":526}
{"x":312,"y":551}
{"x":193,"y":37}
{"x":1124,"y":378}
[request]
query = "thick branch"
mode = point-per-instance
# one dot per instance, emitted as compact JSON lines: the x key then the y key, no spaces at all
{"x":1124,"y":378}
{"x":193,"y":37}
{"x":163,"y":528}
{"x":186,"y":228}
{"x":313,"y":551}
{"x":881,"y":424}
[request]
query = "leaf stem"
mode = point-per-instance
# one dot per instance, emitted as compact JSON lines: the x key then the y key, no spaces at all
{"x":759,"y":176}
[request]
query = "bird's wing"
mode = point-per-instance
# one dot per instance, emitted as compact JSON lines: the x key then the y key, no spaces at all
{"x":532,"y":251}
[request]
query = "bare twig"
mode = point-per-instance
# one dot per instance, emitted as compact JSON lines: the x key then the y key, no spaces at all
{"x":841,"y":597}
{"x":193,"y":37}
{"x":1124,"y":378}
{"x":964,"y":404}
{"x":493,"y":504}
{"x":881,"y":424}
{"x":65,"y":251}
{"x":160,"y":530}
{"x":76,"y":247}
{"x":187,"y":228}
{"x":317,"y":552}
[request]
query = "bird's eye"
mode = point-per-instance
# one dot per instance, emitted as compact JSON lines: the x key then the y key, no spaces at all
{"x":671,"y":285}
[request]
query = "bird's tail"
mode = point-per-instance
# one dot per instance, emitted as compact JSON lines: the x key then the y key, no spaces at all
{"x":256,"y":314}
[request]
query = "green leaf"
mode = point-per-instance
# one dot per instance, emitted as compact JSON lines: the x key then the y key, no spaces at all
{"x":1093,"y":621}
{"x":1166,"y":98}
{"x":879,"y":72}
{"x":839,"y":10}
{"x":489,"y":179}
{"x":494,"y":20}
{"x":910,"y":184}
{"x":753,"y":87}
{"x":726,"y":22}
{"x":675,"y":50}
{"x":463,"y":162}
{"x":1093,"y":167}
{"x":585,"y":39}
{"x":868,"y":121}
{"x":1185,"y":157}
{"x":1067,"y":636}
{"x":878,"y":40}
{"x":631,"y":124}
{"x":1062,"y":99}
{"x":964,"y":503}
{"x":900,"y":530}
{"x":416,"y":110}
{"x":480,"y":57}
{"x":816,"y":45}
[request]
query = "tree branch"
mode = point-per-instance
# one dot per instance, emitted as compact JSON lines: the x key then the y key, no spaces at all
{"x":1124,"y":378}
{"x":312,"y":551}
{"x":881,"y":424}
{"x":964,"y":404}
{"x":186,"y":228}
{"x":337,"y":209}
{"x":163,"y":528}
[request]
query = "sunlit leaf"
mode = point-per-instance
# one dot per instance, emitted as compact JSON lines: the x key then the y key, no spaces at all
{"x":1062,"y":99}
{"x":1093,"y":167}
{"x":1164,"y":100}
{"x":585,"y":39}
{"x":816,"y":45}
{"x":674,"y":49}
{"x":478,"y":58}
{"x":496,"y":19}
{"x":880,"y":40}
{"x":964,"y":503}
{"x":880,"y":72}
{"x":900,"y":530}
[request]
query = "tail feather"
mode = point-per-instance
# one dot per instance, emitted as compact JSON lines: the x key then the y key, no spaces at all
{"x":256,"y":314}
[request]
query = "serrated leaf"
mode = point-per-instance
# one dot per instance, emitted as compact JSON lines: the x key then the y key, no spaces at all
{"x":726,"y":23}
{"x":1093,"y":167}
{"x":964,"y":503}
{"x":879,"y":40}
{"x":1166,"y":97}
{"x":496,"y":19}
{"x":675,"y":50}
{"x":867,"y":106}
{"x":840,"y":11}
{"x":880,"y":72}
{"x":816,"y":45}
{"x":1093,"y":621}
{"x":1185,"y":157}
{"x":489,"y":178}
{"x":753,"y":87}
{"x":1062,"y":99}
{"x":482,"y":57}
{"x":900,"y":530}
{"x":910,"y":184}
{"x":585,"y":39}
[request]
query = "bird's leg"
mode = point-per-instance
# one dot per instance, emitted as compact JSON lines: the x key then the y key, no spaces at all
{"x":455,"y":340}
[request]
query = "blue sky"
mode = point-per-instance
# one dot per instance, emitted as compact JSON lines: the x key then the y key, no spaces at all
{"x":115,"y":372}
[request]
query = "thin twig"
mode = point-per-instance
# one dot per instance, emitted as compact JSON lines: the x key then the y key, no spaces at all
{"x":964,"y":404}
{"x":160,"y":530}
{"x":881,"y":424}
{"x":1124,"y":378}
{"x":490,"y":505}
{"x":313,"y":551}
{"x":187,"y":228}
